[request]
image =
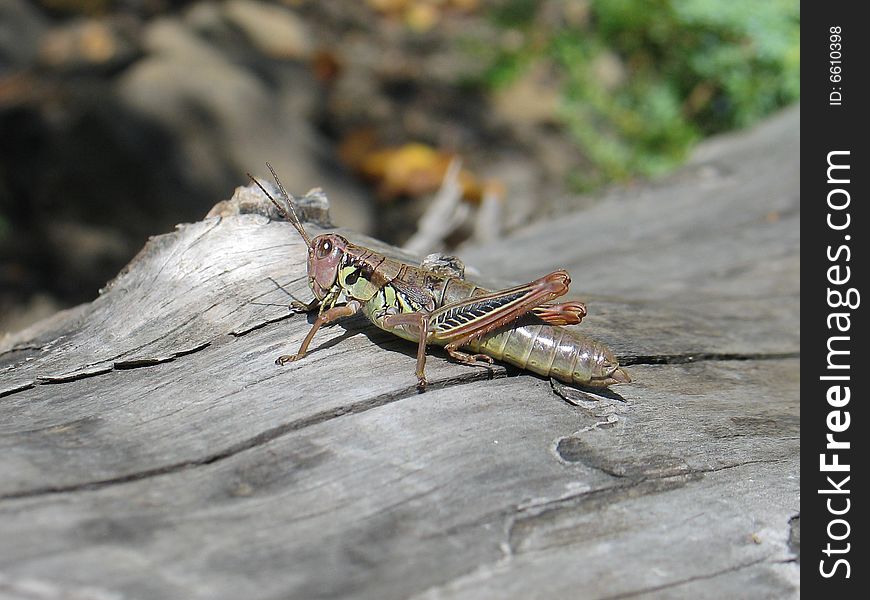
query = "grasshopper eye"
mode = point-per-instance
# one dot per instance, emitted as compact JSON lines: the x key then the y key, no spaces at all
{"x":324,"y":248}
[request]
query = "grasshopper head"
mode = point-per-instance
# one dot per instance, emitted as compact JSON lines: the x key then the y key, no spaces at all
{"x":324,"y":251}
{"x":325,"y":255}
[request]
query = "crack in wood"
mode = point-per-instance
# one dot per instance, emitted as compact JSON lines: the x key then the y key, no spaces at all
{"x":137,"y":363}
{"x":104,"y":368}
{"x":260,"y":439}
{"x":625,"y":360}
{"x":794,"y":538}
{"x":628,"y":360}
{"x":627,"y":488}
{"x":679,"y":582}
{"x":632,"y":487}
{"x":16,"y":389}
{"x":83,"y":373}
{"x":246,"y":330}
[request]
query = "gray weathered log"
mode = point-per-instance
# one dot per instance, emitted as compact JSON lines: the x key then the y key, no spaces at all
{"x":151,"y":448}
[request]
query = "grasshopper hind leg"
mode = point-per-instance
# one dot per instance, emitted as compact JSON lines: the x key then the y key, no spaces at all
{"x":456,"y":324}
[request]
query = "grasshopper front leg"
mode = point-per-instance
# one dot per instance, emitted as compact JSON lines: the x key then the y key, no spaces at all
{"x":324,"y":318}
{"x":455,"y":325}
{"x":298,"y":306}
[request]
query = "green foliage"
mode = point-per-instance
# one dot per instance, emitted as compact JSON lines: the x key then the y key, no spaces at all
{"x":642,"y":80}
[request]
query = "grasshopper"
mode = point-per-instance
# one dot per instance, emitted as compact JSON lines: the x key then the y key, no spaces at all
{"x":434,"y":304}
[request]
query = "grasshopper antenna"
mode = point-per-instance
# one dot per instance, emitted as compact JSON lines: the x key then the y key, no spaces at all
{"x":291,"y":215}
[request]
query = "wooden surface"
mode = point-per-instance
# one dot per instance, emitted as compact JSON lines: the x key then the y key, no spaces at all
{"x":150,"y":448}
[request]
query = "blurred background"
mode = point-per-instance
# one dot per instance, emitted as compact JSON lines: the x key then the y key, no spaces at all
{"x":429,"y":123}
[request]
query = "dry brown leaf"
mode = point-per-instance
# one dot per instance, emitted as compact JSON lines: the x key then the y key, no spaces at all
{"x":413,"y":169}
{"x":422,"y":15}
